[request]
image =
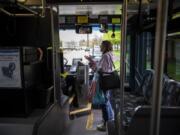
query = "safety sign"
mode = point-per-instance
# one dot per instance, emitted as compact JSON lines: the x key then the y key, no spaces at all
{"x":10,"y":69}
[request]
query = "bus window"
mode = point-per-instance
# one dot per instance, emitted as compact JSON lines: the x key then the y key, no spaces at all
{"x":148,"y":43}
{"x":78,"y":45}
{"x":173,"y":59}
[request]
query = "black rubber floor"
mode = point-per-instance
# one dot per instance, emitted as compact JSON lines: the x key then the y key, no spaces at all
{"x":84,"y":125}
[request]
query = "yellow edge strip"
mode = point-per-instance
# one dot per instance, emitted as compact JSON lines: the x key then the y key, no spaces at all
{"x":90,"y":121}
{"x":71,"y":99}
{"x":88,"y":108}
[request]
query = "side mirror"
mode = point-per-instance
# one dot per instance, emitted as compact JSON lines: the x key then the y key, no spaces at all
{"x":83,"y":29}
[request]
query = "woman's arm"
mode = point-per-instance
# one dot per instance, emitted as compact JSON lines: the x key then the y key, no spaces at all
{"x":92,"y":63}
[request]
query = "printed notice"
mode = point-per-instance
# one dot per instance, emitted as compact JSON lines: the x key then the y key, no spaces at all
{"x":116,"y":20}
{"x":10,"y":71}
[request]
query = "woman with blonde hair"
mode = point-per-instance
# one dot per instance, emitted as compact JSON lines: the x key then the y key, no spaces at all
{"x":105,"y":65}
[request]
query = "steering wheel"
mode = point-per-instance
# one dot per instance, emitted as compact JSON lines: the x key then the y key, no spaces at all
{"x":65,"y":61}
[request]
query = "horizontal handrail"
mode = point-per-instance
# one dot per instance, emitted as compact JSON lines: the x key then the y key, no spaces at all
{"x":31,"y":11}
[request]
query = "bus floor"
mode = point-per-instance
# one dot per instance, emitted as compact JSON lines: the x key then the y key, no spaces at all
{"x":85,"y":125}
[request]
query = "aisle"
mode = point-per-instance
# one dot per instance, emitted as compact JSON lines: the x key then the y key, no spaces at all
{"x":85,"y":125}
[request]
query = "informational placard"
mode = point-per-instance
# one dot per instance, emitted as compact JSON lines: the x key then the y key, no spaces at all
{"x":10,"y":69}
{"x":82,"y":19}
{"x":70,"y":19}
{"x":103,"y":19}
{"x":116,"y":20}
{"x":62,"y":20}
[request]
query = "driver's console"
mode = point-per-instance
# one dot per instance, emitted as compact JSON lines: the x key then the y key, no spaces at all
{"x":73,"y":68}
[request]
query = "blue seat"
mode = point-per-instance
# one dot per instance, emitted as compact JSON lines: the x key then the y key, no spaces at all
{"x":134,"y":117}
{"x":171,"y":94}
{"x":169,"y":125}
{"x":141,"y":96}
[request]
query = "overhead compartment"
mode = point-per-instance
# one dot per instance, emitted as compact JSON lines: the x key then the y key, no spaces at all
{"x":31,"y":31}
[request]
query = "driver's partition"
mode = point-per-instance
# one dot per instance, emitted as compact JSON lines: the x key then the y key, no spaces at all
{"x":76,"y":87}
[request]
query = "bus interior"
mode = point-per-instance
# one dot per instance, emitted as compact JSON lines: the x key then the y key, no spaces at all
{"x":45,"y":78}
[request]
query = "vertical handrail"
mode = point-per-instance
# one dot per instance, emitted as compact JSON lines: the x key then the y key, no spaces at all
{"x":43,"y":8}
{"x":161,"y":28}
{"x":53,"y":54}
{"x":122,"y":59}
{"x":87,"y":40}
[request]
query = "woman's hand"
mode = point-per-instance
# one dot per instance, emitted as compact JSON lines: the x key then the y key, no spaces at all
{"x":92,"y":63}
{"x":89,"y":58}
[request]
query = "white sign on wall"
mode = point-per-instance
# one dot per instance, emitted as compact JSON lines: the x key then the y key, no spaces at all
{"x":10,"y":69}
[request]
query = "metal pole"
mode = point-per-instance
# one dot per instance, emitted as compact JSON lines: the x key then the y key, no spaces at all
{"x":122,"y":60}
{"x":43,"y":8}
{"x":53,"y":55}
{"x":87,"y":40}
{"x":162,"y":11}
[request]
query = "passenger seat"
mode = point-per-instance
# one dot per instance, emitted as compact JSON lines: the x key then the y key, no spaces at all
{"x":141,"y":96}
{"x":171,"y":94}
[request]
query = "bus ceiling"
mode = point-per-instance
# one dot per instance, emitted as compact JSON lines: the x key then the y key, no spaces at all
{"x":109,"y":7}
{"x":100,"y":2}
{"x":81,"y":2}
